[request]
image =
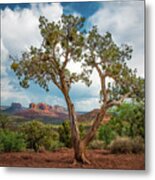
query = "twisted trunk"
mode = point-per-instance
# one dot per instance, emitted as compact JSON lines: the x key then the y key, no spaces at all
{"x":78,"y":145}
{"x":92,"y":132}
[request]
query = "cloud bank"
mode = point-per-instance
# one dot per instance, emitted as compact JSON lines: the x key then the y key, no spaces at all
{"x":125,"y":20}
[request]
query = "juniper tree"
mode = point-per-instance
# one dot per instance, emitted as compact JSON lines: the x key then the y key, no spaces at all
{"x":65,"y":41}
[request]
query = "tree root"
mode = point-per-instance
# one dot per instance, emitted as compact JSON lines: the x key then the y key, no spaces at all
{"x":83,"y":160}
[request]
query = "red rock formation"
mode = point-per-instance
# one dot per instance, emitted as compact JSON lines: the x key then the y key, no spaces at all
{"x":42,"y":106}
{"x":32,"y":106}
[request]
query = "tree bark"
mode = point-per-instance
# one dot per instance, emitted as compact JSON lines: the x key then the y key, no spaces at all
{"x":78,"y":145}
{"x":92,"y":132}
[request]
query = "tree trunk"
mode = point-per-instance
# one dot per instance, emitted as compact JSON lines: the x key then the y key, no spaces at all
{"x":78,"y":145}
{"x":92,"y":132}
{"x":80,"y":154}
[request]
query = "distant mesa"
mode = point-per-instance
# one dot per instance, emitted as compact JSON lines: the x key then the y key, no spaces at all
{"x":47,"y":108}
{"x":32,"y":106}
{"x":37,"y":111}
{"x":14,"y":108}
{"x":40,"y":106}
{"x":16,"y":105}
{"x":47,"y":112}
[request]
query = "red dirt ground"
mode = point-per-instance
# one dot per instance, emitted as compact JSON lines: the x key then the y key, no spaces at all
{"x":63,"y":158}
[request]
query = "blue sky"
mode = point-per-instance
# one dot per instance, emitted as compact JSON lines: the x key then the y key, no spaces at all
{"x":125,"y":20}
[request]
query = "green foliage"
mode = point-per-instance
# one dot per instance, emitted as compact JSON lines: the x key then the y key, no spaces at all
{"x":65,"y":134}
{"x":127,"y":145}
{"x":106,"y":134}
{"x":110,"y":60}
{"x":63,"y":41}
{"x":39,"y":135}
{"x":54,"y":145}
{"x":96,"y":144}
{"x":5,"y":121}
{"x":128,"y":120}
{"x":11,"y":141}
{"x":82,"y":130}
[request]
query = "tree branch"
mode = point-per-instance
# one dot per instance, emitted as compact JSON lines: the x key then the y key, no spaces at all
{"x":118,"y":102}
{"x":91,"y":133}
{"x":56,"y":83}
{"x":103,"y":85}
{"x":65,"y":61}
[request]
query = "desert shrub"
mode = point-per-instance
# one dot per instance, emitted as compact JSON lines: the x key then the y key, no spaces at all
{"x":127,"y":145}
{"x":128,"y":119}
{"x":121,"y":145}
{"x":106,"y":134}
{"x":65,"y":134}
{"x":55,"y":145}
{"x":39,"y":135}
{"x":82,"y":130}
{"x":138,"y":145}
{"x":11,"y":141}
{"x":5,"y":121}
{"x":96,"y":144}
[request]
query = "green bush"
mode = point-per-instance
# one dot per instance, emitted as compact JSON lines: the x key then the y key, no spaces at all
{"x":5,"y":121}
{"x":82,"y":130}
{"x":121,"y":145}
{"x":39,"y":135}
{"x":11,"y":141}
{"x":106,"y":134}
{"x":128,"y":120}
{"x":55,"y":145}
{"x":65,"y":134}
{"x":96,"y":144}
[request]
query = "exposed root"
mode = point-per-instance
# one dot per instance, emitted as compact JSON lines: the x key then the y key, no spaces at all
{"x":81,"y":161}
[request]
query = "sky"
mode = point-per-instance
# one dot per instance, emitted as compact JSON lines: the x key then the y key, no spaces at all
{"x":19,"y":30}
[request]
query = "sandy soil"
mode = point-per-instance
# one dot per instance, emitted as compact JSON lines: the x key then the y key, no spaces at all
{"x":63,"y":158}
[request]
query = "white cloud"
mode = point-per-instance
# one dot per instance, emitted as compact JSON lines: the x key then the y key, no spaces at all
{"x":125,"y":20}
{"x":87,"y":104}
{"x":9,"y":92}
{"x":55,"y":100}
{"x":4,"y":57}
{"x":20,"y":26}
{"x":19,"y":31}
{"x":51,"y":12}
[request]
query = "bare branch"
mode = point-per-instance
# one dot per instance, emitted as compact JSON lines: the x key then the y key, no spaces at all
{"x":118,"y":102}
{"x":98,"y":69}
{"x":66,"y":60}
{"x":103,"y":85}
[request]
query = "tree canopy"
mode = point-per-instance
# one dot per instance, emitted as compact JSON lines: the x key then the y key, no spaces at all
{"x":63,"y":41}
{"x":66,"y":41}
{"x":117,"y":80}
